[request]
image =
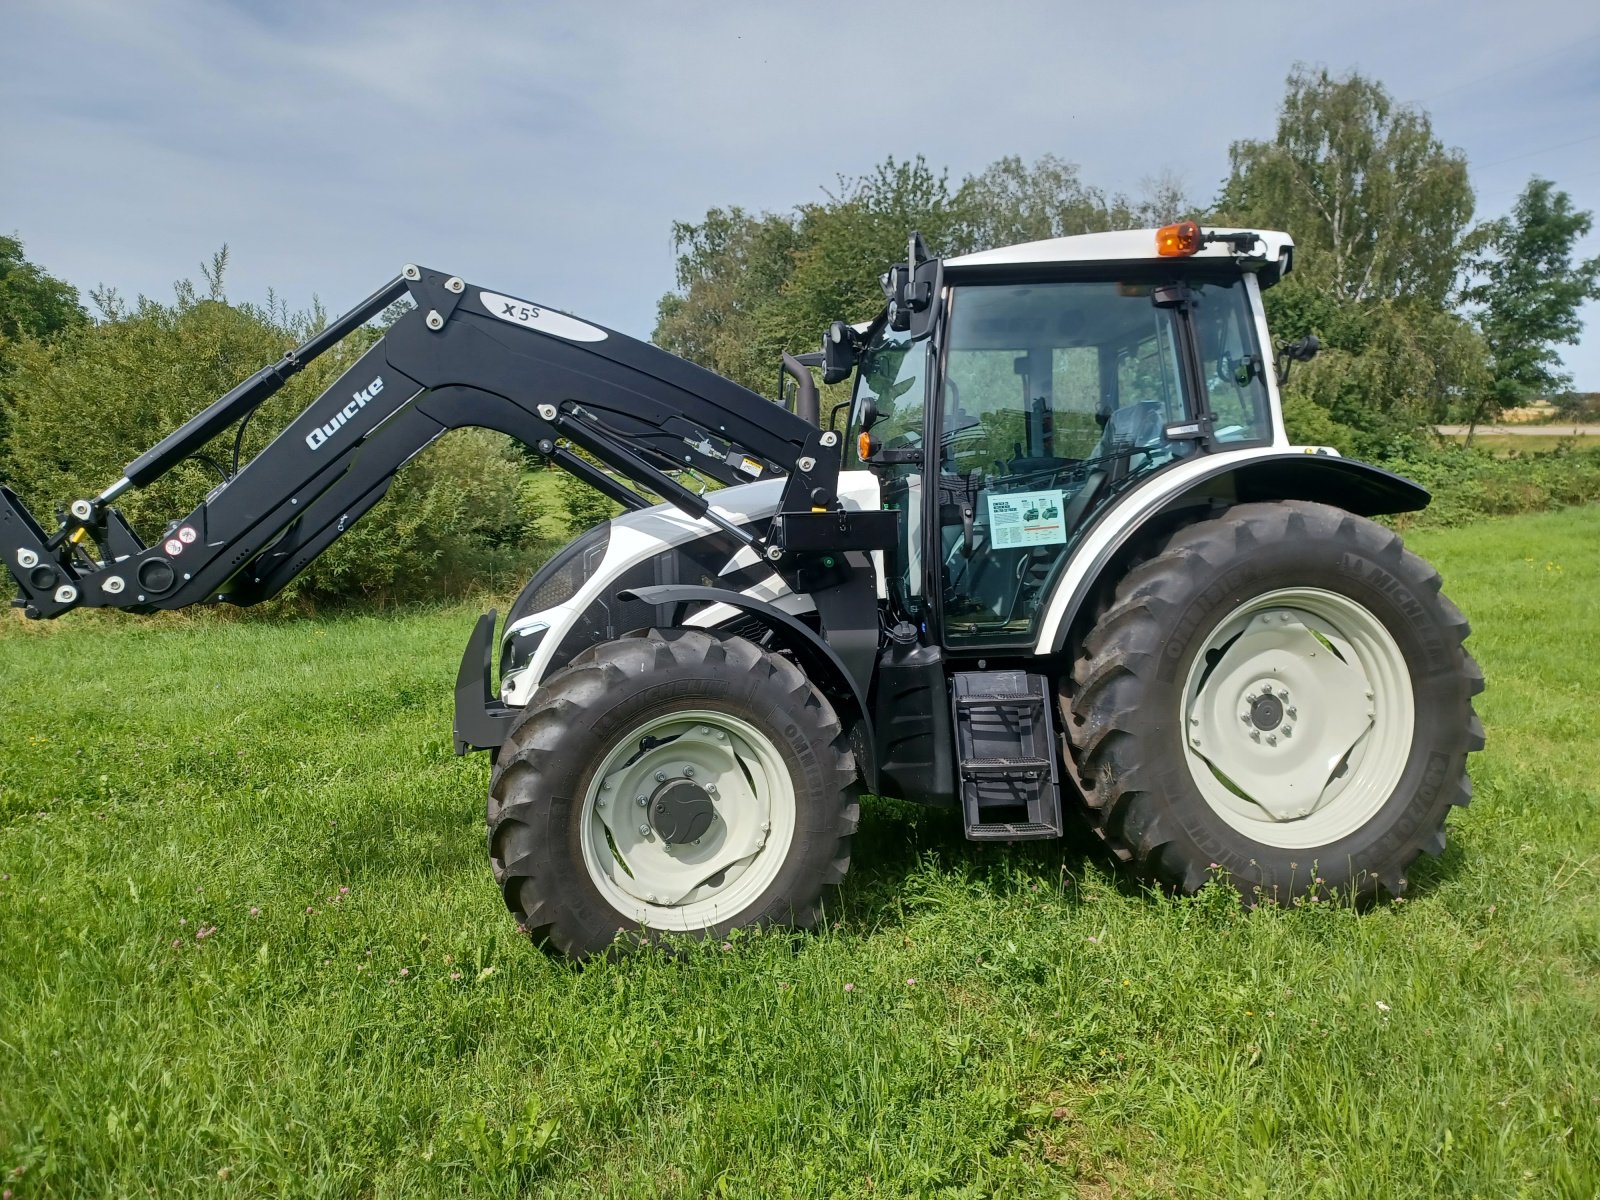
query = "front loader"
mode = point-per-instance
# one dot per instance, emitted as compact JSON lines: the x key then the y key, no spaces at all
{"x":1059,"y":560}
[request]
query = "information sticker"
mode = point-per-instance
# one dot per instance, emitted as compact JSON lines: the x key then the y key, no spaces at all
{"x":1026,"y":519}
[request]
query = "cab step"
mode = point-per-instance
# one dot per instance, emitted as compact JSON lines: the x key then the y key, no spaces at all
{"x":1005,"y":761}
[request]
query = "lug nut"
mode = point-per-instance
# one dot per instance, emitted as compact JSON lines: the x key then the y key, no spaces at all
{"x":1272,"y":739}
{"x":642,"y":800}
{"x":1288,"y":731}
{"x":711,"y":789}
{"x":661,"y":776}
{"x":1292,"y":711}
{"x":688,"y":771}
{"x":1266,"y":689}
{"x":1255,"y":735}
{"x":644,"y":831}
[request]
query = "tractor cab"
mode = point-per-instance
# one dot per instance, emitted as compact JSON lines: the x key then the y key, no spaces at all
{"x":1049,"y":380}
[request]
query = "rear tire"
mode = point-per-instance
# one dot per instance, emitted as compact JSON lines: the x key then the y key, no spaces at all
{"x":1279,"y":696}
{"x":670,"y":716}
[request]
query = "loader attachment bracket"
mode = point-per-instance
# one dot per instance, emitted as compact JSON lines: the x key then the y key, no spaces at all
{"x":482,"y":721}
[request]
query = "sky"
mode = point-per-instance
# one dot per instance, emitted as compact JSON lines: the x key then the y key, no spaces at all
{"x":545,"y":150}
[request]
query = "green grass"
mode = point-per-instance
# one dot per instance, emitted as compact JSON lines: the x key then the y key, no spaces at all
{"x":1066,"y":1033}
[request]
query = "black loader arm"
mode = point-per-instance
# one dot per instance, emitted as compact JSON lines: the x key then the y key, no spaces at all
{"x":464,"y":356}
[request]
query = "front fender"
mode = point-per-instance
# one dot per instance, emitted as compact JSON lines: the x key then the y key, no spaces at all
{"x":818,"y":658}
{"x":1249,"y":476}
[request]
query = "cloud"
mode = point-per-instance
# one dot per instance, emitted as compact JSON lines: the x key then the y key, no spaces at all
{"x":547,"y":149}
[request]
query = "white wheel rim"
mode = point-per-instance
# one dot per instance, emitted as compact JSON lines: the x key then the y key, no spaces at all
{"x":688,"y":884}
{"x":1298,"y":717}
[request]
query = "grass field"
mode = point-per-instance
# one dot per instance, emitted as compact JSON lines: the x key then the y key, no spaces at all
{"x":249,"y":946}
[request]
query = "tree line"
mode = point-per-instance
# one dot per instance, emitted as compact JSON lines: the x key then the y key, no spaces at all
{"x":1425,"y":314}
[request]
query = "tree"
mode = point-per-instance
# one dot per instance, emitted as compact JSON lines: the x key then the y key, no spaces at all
{"x":1379,"y":210}
{"x":1378,"y":207}
{"x":1011,"y":202}
{"x":749,"y":287}
{"x":32,"y":305}
{"x":1528,"y":291}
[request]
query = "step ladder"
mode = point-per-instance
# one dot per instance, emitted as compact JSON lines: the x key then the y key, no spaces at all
{"x":1005,"y":751}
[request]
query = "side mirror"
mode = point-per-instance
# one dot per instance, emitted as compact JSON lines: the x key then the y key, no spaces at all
{"x":869,"y":413}
{"x":1290,"y":353}
{"x":840,"y":353}
{"x":913,"y":288}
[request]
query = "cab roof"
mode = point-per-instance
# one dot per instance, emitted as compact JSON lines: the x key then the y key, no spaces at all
{"x":1271,"y":255}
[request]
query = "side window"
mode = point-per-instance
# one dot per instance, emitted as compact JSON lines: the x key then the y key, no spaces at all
{"x":1231,"y":359}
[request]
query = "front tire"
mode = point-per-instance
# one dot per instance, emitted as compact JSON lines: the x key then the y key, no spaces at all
{"x":747,"y":778}
{"x":1280,"y":695}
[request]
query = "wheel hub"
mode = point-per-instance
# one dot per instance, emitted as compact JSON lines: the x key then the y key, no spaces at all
{"x":1266,"y":712}
{"x":681,"y":811}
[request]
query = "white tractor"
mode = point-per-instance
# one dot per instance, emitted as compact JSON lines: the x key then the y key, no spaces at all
{"x":1059,"y":557}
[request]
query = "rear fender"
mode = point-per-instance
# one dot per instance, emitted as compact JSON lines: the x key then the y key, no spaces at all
{"x":1245,"y":476}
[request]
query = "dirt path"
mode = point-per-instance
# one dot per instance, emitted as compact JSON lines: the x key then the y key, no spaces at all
{"x":1524,"y":430}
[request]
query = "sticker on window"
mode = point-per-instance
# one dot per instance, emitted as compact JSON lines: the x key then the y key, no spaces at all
{"x":1026,"y":519}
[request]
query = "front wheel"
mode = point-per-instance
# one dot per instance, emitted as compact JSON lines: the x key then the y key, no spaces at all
{"x":1281,"y":695}
{"x":675,"y":782}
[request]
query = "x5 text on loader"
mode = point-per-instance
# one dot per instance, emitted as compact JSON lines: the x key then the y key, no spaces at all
{"x":1061,"y":555}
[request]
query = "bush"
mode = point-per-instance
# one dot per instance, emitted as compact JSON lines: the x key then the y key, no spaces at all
{"x":1469,"y":484}
{"x":83,"y":406}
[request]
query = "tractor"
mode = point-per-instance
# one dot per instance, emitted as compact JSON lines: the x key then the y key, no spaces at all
{"x":1208,"y":652}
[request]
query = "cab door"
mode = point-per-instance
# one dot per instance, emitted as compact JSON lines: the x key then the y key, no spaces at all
{"x":1056,"y":397}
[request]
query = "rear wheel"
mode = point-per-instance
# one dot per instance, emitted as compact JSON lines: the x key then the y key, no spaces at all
{"x":1279,"y":694}
{"x":674,"y":782}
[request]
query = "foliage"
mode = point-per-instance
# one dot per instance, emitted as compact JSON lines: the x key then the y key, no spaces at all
{"x":1010,"y":202}
{"x":1066,"y":1032}
{"x":1470,"y":484}
{"x":88,"y":402}
{"x":1378,"y":206}
{"x":1528,"y":292}
{"x":33,"y":305}
{"x":585,"y":507}
{"x":1379,"y":210}
{"x":751,"y":287}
